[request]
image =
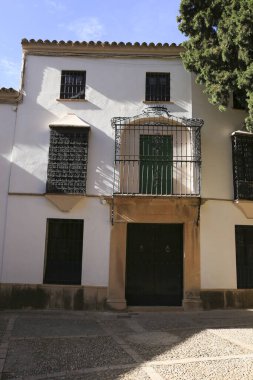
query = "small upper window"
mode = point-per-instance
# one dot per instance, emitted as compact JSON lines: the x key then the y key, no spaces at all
{"x":73,"y":84}
{"x":157,"y":87}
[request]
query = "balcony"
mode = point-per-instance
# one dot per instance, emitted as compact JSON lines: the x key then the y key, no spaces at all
{"x":157,"y":154}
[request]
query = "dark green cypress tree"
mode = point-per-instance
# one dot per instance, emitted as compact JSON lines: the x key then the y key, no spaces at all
{"x":219,"y":49}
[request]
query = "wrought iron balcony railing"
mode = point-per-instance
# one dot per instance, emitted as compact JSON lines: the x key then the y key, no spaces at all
{"x":157,"y":154}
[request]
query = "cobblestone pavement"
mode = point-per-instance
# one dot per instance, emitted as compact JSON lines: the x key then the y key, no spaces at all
{"x":127,"y":346}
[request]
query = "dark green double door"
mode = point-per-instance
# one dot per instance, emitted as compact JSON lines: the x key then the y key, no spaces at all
{"x":154,"y":264}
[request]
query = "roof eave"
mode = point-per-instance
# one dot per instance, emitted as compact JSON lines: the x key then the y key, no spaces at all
{"x":9,"y":96}
{"x":100,"y":49}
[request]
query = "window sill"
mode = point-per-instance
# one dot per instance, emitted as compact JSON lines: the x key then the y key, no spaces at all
{"x":246,"y":206}
{"x":72,"y":100}
{"x":157,"y":102}
{"x":64,"y":202}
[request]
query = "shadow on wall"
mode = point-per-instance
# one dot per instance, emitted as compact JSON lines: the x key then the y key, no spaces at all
{"x":21,"y":218}
{"x":33,"y":146}
{"x":19,"y":172}
{"x":100,"y":162}
{"x":99,"y":90}
{"x":27,"y":176}
{"x":30,"y":154}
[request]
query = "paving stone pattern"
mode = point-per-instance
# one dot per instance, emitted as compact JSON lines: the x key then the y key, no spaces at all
{"x":213,"y":345}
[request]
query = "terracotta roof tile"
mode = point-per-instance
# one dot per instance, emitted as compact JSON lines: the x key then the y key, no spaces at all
{"x":99,"y":43}
{"x":9,"y":96}
{"x":102,"y":49}
{"x":8,"y":90}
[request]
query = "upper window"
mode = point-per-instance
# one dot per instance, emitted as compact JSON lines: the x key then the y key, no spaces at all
{"x":73,"y":84}
{"x":67,"y":163}
{"x":157,"y":87}
{"x":243,"y":165}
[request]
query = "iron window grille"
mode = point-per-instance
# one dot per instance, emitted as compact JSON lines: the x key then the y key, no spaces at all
{"x":67,"y":161}
{"x":157,"y":154}
{"x":244,"y":256}
{"x":157,"y":87}
{"x":242,"y":147}
{"x":73,"y":84}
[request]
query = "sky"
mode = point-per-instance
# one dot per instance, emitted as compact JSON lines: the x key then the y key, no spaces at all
{"x":81,"y":20}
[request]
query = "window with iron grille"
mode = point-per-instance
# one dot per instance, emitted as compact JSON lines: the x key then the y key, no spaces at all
{"x":64,"y":248}
{"x":67,"y":162}
{"x":244,"y":256}
{"x":73,"y":84}
{"x":243,"y":165}
{"x":157,"y":87}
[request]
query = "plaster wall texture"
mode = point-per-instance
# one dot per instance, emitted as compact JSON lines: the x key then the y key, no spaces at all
{"x":219,"y":214}
{"x":217,"y":243}
{"x":7,"y":127}
{"x":217,"y":175}
{"x":114,"y":87}
{"x":26,"y":239}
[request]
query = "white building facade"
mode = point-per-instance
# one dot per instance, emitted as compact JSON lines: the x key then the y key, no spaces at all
{"x":117,"y":186}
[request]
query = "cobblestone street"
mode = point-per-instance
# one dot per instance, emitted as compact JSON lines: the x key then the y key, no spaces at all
{"x":134,"y":345}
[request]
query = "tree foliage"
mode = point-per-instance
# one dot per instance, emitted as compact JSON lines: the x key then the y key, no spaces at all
{"x":220,"y":48}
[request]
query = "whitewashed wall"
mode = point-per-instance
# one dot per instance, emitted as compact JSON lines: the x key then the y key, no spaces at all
{"x":26,"y":238}
{"x":219,"y":214}
{"x":113,"y":88}
{"x":218,"y":253}
{"x":7,"y":127}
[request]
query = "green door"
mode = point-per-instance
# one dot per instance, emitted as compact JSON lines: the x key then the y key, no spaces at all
{"x":154,"y":264}
{"x":156,"y":156}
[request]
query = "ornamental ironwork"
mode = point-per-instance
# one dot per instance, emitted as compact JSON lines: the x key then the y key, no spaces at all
{"x":73,"y":84}
{"x":242,"y":146}
{"x":157,"y":87}
{"x":157,"y":153}
{"x":67,"y":162}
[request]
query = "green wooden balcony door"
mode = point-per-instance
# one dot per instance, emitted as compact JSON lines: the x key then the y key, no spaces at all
{"x":156,"y":156}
